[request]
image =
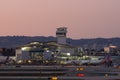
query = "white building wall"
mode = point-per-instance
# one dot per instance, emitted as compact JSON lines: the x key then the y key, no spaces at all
{"x":18,"y":54}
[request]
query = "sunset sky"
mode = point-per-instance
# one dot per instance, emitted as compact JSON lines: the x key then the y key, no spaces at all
{"x":83,"y":18}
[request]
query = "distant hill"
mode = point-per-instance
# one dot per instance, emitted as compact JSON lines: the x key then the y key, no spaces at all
{"x":14,"y":41}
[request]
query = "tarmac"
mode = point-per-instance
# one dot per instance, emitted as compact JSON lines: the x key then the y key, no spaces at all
{"x":35,"y":72}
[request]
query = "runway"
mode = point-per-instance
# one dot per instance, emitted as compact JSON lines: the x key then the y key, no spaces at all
{"x":33,"y":72}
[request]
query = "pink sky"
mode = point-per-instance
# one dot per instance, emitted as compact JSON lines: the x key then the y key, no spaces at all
{"x":84,"y":18}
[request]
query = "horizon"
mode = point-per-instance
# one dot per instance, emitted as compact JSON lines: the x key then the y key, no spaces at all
{"x":84,"y":19}
{"x":55,"y":37}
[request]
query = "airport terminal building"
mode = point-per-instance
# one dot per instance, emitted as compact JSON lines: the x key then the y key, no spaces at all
{"x":46,"y":51}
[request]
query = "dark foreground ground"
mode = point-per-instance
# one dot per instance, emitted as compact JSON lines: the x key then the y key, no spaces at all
{"x":59,"y":73}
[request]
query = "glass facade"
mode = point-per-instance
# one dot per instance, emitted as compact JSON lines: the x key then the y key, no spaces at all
{"x":36,"y":55}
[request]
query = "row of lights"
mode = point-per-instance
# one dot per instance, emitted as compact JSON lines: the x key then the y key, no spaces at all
{"x":20,"y":61}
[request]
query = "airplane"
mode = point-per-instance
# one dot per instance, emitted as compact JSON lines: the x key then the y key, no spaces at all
{"x":72,"y":62}
{"x":89,"y":61}
{"x":97,"y":61}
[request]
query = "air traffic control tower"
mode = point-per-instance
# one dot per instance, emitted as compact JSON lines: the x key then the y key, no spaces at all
{"x":61,"y":35}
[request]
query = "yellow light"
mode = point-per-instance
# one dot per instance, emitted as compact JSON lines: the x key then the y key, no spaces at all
{"x":29,"y":61}
{"x":80,"y":69}
{"x":54,"y":78}
{"x":25,"y":48}
{"x":20,"y":61}
{"x":106,"y":75}
{"x":46,"y":61}
{"x":68,"y":54}
{"x":77,"y":69}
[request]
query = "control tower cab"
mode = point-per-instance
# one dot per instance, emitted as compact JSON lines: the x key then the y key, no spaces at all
{"x":61,"y":35}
